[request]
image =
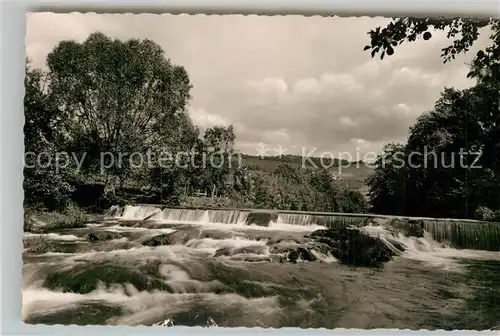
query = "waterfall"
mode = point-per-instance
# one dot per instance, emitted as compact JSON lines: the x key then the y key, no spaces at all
{"x":143,"y":212}
{"x":227,"y":216}
{"x":138,"y":212}
{"x":460,"y":234}
{"x":465,"y":234}
{"x":332,"y":220}
{"x":179,"y":215}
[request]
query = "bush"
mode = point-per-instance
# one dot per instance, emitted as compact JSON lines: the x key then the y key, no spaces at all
{"x":46,"y":189}
{"x":353,"y":202}
{"x":484,"y":213}
{"x":72,"y":217}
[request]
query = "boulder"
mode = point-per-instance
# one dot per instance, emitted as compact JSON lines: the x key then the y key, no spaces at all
{"x":353,"y":247}
{"x":294,"y":254}
{"x":229,"y":251}
{"x":408,"y":227}
{"x":102,"y":236}
{"x":261,"y":218}
{"x":163,"y":239}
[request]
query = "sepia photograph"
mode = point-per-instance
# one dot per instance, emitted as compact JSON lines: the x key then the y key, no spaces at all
{"x":262,"y":171}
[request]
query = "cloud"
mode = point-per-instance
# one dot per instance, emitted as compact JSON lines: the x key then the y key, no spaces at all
{"x":205,"y":120}
{"x":273,"y":86}
{"x":300,"y":82}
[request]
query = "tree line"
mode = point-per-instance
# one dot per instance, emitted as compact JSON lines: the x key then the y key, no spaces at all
{"x":456,"y":172}
{"x":105,"y":95}
{"x":110,"y":96}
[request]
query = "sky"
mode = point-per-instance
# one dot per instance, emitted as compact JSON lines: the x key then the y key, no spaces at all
{"x":288,"y":84}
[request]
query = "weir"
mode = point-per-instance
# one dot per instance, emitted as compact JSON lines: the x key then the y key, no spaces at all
{"x":458,"y":233}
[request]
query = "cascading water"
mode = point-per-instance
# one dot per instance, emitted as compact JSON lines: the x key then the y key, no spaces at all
{"x":456,"y":233}
{"x":465,"y":235}
{"x":227,"y":216}
{"x":234,"y":268}
{"x":182,"y":215}
{"x":321,"y":220}
{"x":295,"y":219}
{"x":139,"y":212}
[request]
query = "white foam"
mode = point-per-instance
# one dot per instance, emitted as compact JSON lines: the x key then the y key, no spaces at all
{"x":292,"y":227}
{"x":429,"y":251}
{"x":118,"y":229}
{"x":328,"y":258}
{"x":52,"y":236}
{"x":136,"y":212}
{"x":210,"y":244}
{"x":140,"y":307}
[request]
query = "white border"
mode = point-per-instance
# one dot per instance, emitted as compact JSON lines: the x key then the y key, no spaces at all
{"x":13,"y":50}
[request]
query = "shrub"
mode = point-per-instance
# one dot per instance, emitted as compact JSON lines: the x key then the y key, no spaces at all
{"x":46,"y":189}
{"x":72,"y":217}
{"x":484,"y":213}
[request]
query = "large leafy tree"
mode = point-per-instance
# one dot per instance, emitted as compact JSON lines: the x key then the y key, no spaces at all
{"x":122,"y":97}
{"x":44,"y":185}
{"x":449,"y":166}
{"x":220,"y":166}
{"x":387,"y":185}
{"x":461,"y":120}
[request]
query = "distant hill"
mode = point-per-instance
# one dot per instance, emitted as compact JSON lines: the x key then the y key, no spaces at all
{"x":352,"y":175}
{"x":271,"y":162}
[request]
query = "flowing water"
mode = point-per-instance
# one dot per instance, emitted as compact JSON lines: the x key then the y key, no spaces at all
{"x":222,"y":267}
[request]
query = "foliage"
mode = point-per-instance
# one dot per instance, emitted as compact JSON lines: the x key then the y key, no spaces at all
{"x":119,"y":98}
{"x":72,"y":217}
{"x":387,"y":183}
{"x":352,"y":201}
{"x":295,"y":188}
{"x":43,"y":186}
{"x":484,"y":213}
{"x":441,"y":175}
{"x":463,"y":31}
{"x":218,"y":145}
{"x":47,"y":221}
{"x":105,"y":99}
{"x":450,"y":164}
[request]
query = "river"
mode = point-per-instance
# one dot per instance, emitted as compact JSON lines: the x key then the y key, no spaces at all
{"x":216,"y":269}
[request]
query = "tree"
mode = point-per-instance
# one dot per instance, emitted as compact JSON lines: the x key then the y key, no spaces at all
{"x":43,"y":185}
{"x":123,"y":97}
{"x":387,"y":185}
{"x":219,"y":147}
{"x":352,"y":201}
{"x":462,"y":134}
{"x":220,"y":138}
{"x":461,"y":120}
{"x":463,"y":31}
{"x":449,"y":166}
{"x":328,"y":192}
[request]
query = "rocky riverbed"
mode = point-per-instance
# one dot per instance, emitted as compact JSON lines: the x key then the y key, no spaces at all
{"x":150,"y":272}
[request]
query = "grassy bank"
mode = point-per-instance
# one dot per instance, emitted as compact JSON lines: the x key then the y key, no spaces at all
{"x":43,"y":221}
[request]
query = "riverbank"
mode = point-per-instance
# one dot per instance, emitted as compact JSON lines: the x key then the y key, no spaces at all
{"x":42,"y":221}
